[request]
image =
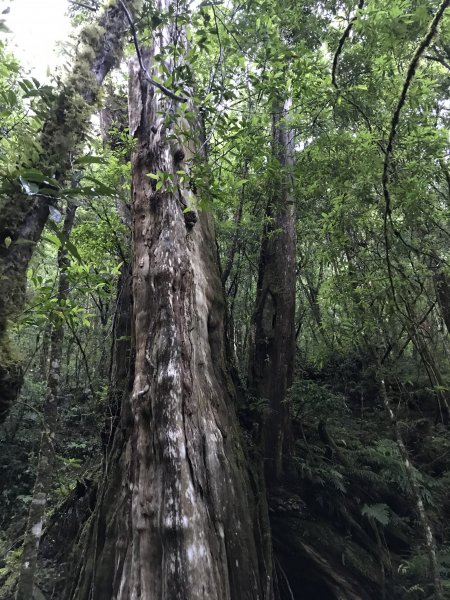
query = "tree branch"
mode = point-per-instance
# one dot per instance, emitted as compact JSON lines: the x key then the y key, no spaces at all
{"x":83,"y":5}
{"x":394,"y":127}
{"x":160,"y":86}
{"x":341,"y":44}
{"x":396,"y":116}
{"x":439,"y":60}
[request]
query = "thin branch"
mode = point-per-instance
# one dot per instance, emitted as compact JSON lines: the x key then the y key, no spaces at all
{"x":334,"y":71}
{"x":219,"y":62}
{"x":415,"y":490}
{"x":396,"y":116}
{"x":39,"y":414}
{"x":439,"y":60}
{"x":286,"y":580}
{"x":237,"y":223}
{"x":160,"y":86}
{"x":341,"y":43}
{"x":86,"y":6}
{"x":393,"y":133}
{"x":408,"y":339}
{"x":83,"y":355}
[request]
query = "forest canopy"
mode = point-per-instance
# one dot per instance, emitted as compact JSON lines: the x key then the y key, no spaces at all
{"x":225,"y":303}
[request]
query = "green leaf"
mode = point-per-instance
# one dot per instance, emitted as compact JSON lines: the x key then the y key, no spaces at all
{"x":91,"y":160}
{"x":33,"y":175}
{"x":32,"y":93}
{"x":376,"y":512}
{"x":28,"y":187}
{"x":53,"y":239}
{"x":73,"y":250}
{"x":3,"y":27}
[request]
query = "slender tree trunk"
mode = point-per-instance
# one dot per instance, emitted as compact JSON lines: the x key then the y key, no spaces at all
{"x":68,"y":120}
{"x":442,"y":286}
{"x":273,"y":349}
{"x":177,"y":517}
{"x":417,"y":496}
{"x":431,"y":366}
{"x":44,"y":353}
{"x":122,"y":356}
{"x":45,"y":463}
{"x":236,"y":233}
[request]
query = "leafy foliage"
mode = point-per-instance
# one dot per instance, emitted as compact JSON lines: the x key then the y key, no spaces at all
{"x":372,"y":280}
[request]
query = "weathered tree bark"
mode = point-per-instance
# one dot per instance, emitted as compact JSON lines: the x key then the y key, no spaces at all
{"x":273,"y":348}
{"x":177,"y":517}
{"x":22,"y":221}
{"x":46,"y":454}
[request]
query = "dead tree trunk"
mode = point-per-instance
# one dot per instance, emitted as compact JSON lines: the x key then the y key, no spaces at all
{"x":177,"y":517}
{"x":273,"y":349}
{"x":22,"y":221}
{"x":46,"y":454}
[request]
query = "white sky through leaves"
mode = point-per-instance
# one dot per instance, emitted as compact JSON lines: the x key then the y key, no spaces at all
{"x":36,"y":27}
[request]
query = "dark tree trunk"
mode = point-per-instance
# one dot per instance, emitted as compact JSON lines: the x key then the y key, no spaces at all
{"x":22,"y":224}
{"x":122,"y":356}
{"x":442,"y":286}
{"x":177,"y":516}
{"x":273,"y":348}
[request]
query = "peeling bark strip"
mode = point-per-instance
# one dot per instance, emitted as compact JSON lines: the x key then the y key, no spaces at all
{"x":177,"y":517}
{"x":22,"y":220}
{"x":273,"y":349}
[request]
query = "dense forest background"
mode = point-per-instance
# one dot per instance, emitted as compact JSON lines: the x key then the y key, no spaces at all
{"x":315,"y":133}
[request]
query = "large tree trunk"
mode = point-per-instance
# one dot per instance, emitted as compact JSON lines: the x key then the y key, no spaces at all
{"x":46,"y":454}
{"x":22,"y":220}
{"x":177,"y":516}
{"x":273,"y":349}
